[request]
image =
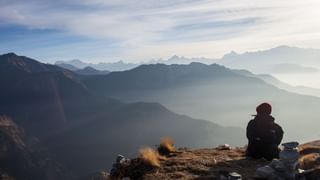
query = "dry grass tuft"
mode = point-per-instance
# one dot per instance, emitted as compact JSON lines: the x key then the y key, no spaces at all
{"x":166,"y":146}
{"x":309,"y":149}
{"x":150,"y":157}
{"x":167,"y":143}
{"x":309,"y":161}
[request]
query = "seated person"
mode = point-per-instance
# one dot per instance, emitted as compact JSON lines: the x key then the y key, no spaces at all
{"x":264,"y":135}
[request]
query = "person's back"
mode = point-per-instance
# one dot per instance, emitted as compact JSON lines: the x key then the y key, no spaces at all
{"x":263,"y":134}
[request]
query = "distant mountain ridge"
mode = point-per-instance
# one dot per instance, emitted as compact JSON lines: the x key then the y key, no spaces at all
{"x":68,"y":66}
{"x":181,"y":60}
{"x":91,"y":71}
{"x":113,"y":66}
{"x":281,"y":59}
{"x":155,"y":76}
{"x":282,"y":85}
{"x":88,"y":70}
{"x":289,"y":64}
{"x":122,"y":66}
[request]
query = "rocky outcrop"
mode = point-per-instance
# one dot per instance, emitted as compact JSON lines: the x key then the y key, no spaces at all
{"x":223,"y":162}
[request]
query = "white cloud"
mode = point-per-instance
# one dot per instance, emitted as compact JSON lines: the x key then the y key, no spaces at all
{"x":154,"y":29}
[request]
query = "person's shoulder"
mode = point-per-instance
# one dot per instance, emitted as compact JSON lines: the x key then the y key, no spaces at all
{"x":251,"y":122}
{"x":278,"y":126}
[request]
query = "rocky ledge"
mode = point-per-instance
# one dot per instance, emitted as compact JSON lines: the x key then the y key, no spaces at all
{"x":223,"y":162}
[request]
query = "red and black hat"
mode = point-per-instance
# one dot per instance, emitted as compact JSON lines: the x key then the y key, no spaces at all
{"x":264,"y":109}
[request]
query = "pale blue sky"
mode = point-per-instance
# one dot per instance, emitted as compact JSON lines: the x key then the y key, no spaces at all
{"x":139,"y":30}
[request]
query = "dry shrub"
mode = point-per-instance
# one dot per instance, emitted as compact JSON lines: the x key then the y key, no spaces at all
{"x":150,"y":157}
{"x":309,"y":161}
{"x":309,"y":149}
{"x":166,"y":146}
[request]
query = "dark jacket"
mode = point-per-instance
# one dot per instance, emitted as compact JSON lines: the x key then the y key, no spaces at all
{"x":264,"y":136}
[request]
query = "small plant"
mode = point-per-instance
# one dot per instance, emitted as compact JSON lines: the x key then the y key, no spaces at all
{"x":309,"y":161}
{"x":166,"y":146}
{"x":150,"y":157}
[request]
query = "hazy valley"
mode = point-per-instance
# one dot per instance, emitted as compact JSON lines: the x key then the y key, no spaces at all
{"x":84,"y":131}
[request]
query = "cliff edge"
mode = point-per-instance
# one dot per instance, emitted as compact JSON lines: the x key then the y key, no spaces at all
{"x":223,"y":162}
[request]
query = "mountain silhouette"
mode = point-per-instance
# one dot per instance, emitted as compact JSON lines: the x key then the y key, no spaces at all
{"x":42,"y":98}
{"x":90,"y":71}
{"x":211,"y":92}
{"x":112,"y":66}
{"x":156,"y":76}
{"x":123,"y":66}
{"x":68,"y":66}
{"x":282,"y":85}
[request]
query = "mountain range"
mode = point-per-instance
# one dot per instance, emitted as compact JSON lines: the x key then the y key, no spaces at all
{"x":211,"y":92}
{"x":293,"y":65}
{"x":84,"y":131}
{"x":278,"y":60}
{"x":74,"y":65}
{"x":285,"y":86}
{"x":113,"y":66}
{"x":89,"y":71}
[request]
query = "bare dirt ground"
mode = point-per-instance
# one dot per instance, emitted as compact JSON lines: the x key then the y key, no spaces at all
{"x":205,"y":164}
{"x":209,"y":163}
